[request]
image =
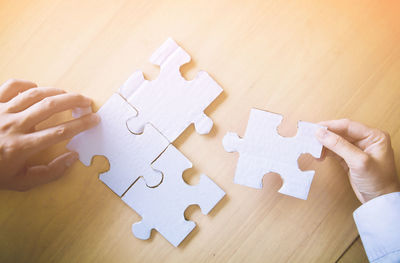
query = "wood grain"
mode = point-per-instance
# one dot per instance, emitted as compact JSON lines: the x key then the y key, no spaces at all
{"x":309,"y":60}
{"x":355,"y":253}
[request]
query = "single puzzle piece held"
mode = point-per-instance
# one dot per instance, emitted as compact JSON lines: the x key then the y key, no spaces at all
{"x":170,"y":102}
{"x":263,"y":150}
{"x":130,"y":156}
{"x":162,"y":208}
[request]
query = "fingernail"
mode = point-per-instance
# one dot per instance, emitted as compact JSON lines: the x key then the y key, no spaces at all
{"x":321,"y":133}
{"x":72,"y":159}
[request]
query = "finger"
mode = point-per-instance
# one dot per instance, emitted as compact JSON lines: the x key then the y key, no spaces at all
{"x":379,"y":139}
{"x":350,"y":153}
{"x":51,"y":105}
{"x":13,"y":87}
{"x":42,"y":174}
{"x":350,"y":130}
{"x":39,"y":140}
{"x":27,"y":98}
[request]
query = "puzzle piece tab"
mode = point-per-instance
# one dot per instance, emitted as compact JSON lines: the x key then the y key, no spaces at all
{"x":130,"y":155}
{"x":263,"y":150}
{"x":170,"y":102}
{"x":162,"y":208}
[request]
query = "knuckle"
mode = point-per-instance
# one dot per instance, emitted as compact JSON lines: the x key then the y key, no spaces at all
{"x":57,"y":90}
{"x":21,"y":121}
{"x":380,"y":135}
{"x":9,"y":149}
{"x":383,"y":137}
{"x":363,"y":162}
{"x":386,"y":135}
{"x":7,"y":125}
{"x":337,"y":140}
{"x":48,"y":103}
{"x":9,"y":107}
{"x":33,"y":93}
{"x":60,"y":131}
{"x":29,"y":95}
{"x":77,"y":96}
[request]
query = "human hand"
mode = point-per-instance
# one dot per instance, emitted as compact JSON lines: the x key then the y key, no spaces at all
{"x":23,"y":105}
{"x":367,"y":155}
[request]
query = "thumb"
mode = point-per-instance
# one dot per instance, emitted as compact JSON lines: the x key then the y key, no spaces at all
{"x":349,"y":152}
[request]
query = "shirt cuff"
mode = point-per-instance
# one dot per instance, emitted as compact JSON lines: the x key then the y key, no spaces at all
{"x":378,"y":222}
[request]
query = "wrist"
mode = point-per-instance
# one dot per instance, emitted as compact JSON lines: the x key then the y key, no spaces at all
{"x":392,"y":188}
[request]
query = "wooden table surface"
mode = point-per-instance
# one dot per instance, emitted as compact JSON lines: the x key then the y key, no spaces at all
{"x":308,"y":60}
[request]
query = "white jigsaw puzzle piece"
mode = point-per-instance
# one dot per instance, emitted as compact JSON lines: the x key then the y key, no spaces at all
{"x":263,"y":150}
{"x":131,"y":85}
{"x":162,"y":208}
{"x":130,"y":156}
{"x":170,"y":102}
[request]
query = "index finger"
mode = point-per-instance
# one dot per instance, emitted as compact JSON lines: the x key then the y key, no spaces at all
{"x":350,"y":130}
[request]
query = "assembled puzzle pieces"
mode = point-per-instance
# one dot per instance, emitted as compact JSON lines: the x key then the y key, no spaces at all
{"x":130,"y":156}
{"x":162,"y":208}
{"x":263,"y":150}
{"x":170,"y":102}
{"x":157,"y":112}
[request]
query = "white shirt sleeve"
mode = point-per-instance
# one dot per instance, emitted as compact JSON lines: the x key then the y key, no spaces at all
{"x":378,"y":222}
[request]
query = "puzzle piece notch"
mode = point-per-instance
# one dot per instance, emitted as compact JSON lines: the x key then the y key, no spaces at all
{"x":162,"y":208}
{"x":170,"y":102}
{"x":170,"y":50}
{"x":263,"y":150}
{"x":165,"y":51}
{"x":130,"y":156}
